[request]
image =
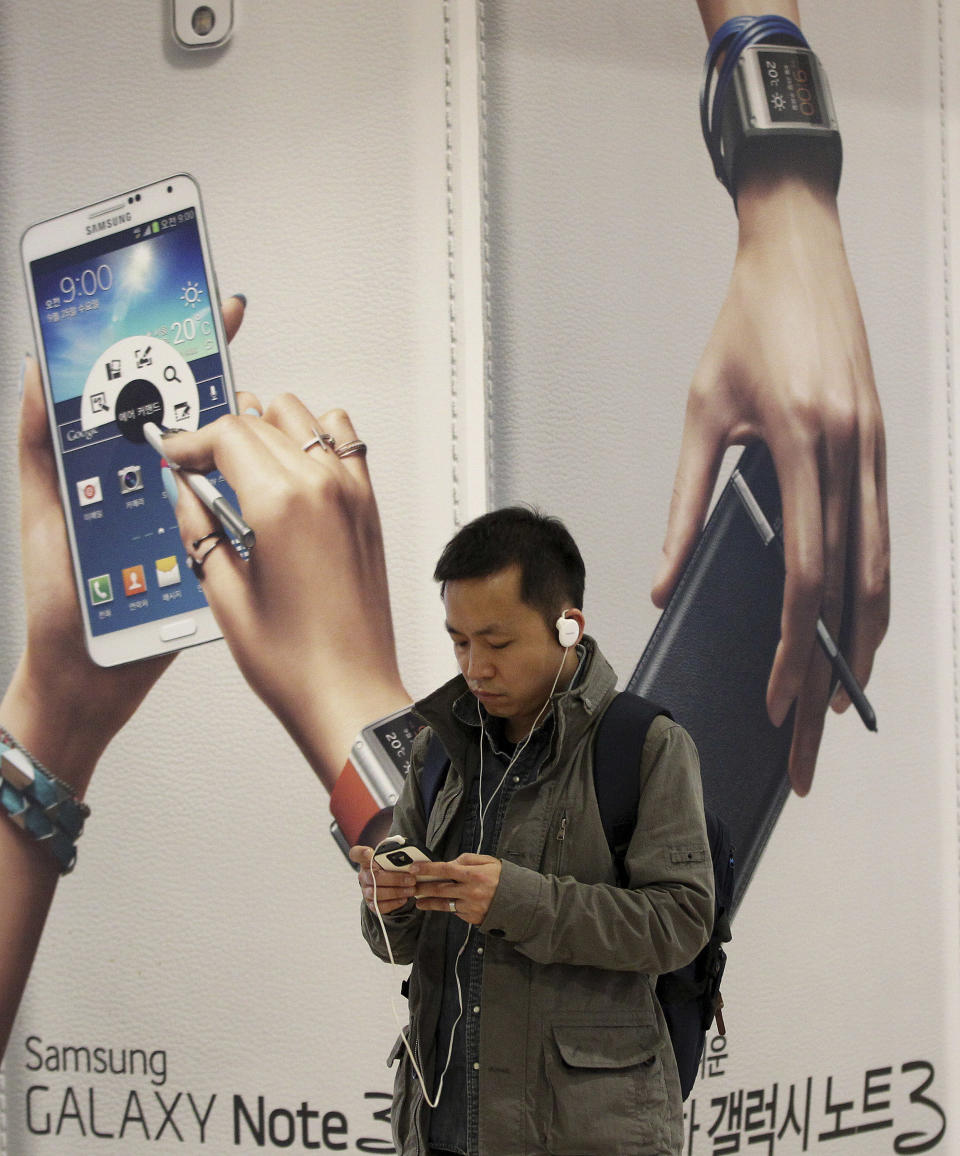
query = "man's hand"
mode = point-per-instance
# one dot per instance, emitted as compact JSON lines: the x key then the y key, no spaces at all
{"x":469,"y":881}
{"x":393,"y":888}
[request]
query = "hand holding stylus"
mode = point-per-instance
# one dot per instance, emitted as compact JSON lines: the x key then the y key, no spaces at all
{"x":308,"y":616}
{"x":229,"y":517}
{"x":788,"y":362}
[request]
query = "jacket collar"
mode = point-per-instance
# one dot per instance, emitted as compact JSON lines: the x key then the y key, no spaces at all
{"x":574,"y":709}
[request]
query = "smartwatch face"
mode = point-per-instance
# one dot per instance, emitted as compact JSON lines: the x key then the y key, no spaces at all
{"x":395,"y":738}
{"x":789,"y":78}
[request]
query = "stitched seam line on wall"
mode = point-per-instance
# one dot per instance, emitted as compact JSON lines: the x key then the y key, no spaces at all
{"x":951,"y":409}
{"x":485,"y":266}
{"x":3,"y":1111}
{"x":451,"y":261}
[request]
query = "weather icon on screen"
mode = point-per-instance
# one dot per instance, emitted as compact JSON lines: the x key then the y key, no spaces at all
{"x":191,"y":294}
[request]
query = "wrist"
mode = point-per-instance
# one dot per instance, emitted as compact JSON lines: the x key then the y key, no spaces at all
{"x":777,"y":199}
{"x":715,"y":12}
{"x":329,"y":721}
{"x":55,"y":728}
{"x":785,"y":163}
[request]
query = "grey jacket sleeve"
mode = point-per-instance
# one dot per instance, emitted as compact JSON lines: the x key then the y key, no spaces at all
{"x":662,"y":918}
{"x":403,"y":925}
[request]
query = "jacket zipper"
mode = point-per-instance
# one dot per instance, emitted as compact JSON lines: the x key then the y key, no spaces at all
{"x":561,"y":835}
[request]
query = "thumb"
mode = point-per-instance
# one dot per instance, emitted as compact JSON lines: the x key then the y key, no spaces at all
{"x":361,"y":855}
{"x":700,"y":456}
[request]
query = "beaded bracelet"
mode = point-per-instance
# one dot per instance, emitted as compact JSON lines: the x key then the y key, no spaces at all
{"x":42,"y":805}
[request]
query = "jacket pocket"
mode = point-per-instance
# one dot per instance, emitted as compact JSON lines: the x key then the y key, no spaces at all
{"x":397,"y":1051}
{"x":607,"y":1088}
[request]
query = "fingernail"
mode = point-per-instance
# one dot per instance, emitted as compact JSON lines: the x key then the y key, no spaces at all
{"x":252,"y":411}
{"x":241,"y":297}
{"x":170,"y":485}
{"x":801,"y":783}
{"x":662,"y":570}
{"x":778,"y":712}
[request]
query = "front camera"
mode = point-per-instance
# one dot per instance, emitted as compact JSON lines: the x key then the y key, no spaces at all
{"x":203,"y":20}
{"x":202,"y":23}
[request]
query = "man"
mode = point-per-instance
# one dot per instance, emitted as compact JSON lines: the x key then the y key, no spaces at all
{"x":561,"y":1046}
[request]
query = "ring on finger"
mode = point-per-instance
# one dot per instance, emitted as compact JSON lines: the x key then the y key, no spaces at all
{"x":348,"y":449}
{"x":198,"y":542}
{"x":195,"y":563}
{"x":323,"y":440}
{"x":452,"y":906}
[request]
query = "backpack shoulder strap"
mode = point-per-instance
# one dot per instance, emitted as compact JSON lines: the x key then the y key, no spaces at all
{"x":436,"y":763}
{"x":616,"y":768}
{"x":724,"y":861}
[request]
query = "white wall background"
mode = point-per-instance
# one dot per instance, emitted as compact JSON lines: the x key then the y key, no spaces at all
{"x":211,"y":914}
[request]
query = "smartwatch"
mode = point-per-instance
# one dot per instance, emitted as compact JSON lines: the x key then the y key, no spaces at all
{"x":370,"y":782}
{"x":778,"y":91}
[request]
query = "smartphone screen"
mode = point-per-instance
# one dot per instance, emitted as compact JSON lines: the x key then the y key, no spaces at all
{"x":129,"y":330}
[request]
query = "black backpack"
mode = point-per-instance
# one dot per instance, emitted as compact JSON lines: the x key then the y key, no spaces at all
{"x":690,"y":996}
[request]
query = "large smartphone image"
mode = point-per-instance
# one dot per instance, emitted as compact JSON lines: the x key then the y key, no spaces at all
{"x":709,"y":658}
{"x":127,"y":322}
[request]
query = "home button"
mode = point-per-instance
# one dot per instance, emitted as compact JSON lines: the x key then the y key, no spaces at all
{"x":179,"y":629}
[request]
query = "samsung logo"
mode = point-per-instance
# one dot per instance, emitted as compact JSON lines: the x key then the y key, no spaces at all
{"x":109,"y":223}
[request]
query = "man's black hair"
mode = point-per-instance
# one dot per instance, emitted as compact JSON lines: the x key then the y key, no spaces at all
{"x":552,"y":574}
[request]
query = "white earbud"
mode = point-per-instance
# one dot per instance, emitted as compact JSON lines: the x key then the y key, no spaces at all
{"x":568,"y":631}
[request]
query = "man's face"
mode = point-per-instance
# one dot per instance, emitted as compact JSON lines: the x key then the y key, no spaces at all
{"x":506,"y":651}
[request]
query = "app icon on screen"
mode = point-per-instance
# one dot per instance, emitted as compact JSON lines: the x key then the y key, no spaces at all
{"x":131,"y":478}
{"x":89,"y":491}
{"x":134,"y":581}
{"x":100,"y":589}
{"x":168,"y":571}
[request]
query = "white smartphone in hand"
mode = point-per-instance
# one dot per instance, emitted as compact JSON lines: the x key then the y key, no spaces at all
{"x":127,"y":321}
{"x":403,"y":855}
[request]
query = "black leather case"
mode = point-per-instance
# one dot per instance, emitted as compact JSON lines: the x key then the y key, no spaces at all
{"x":708,"y":662}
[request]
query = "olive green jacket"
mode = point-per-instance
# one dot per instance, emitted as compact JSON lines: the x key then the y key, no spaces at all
{"x":575,"y":1058}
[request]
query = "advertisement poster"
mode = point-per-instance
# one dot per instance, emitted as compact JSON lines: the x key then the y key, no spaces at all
{"x":491,"y":233}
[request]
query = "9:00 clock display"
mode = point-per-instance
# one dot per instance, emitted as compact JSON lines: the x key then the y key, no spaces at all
{"x":90,"y":281}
